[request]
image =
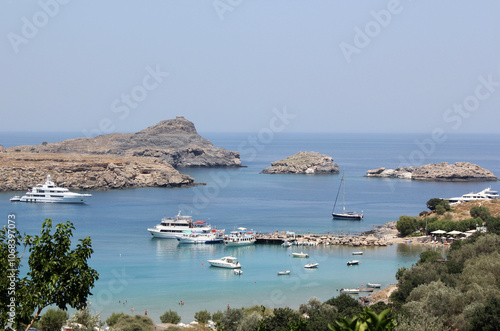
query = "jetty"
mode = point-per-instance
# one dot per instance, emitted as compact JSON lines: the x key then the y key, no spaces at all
{"x":321,"y":239}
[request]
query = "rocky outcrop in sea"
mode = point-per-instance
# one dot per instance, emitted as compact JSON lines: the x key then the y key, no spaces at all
{"x":20,"y":171}
{"x":304,"y":163}
{"x":459,"y":172}
{"x":175,"y":141}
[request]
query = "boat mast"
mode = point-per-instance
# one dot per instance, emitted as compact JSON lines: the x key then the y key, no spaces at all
{"x":336,"y":198}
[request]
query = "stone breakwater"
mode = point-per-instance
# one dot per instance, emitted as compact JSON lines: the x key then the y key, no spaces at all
{"x":322,"y":240}
{"x":304,"y":163}
{"x":458,"y":172}
{"x":20,"y":171}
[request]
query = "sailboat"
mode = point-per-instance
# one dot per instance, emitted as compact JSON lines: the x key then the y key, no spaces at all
{"x":345,"y":215}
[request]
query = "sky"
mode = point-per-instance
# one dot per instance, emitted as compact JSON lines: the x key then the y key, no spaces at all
{"x":250,"y":65}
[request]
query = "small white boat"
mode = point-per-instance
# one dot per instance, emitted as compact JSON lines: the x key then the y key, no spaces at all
{"x":311,"y":265}
{"x":353,"y":262}
{"x":349,"y":290}
{"x":227,"y":262}
{"x":357,"y":253}
{"x":238,"y":272}
{"x":372,"y":285}
{"x":286,"y":272}
{"x":15,"y":198}
{"x":286,"y":244}
{"x":300,"y":254}
{"x":366,"y":289}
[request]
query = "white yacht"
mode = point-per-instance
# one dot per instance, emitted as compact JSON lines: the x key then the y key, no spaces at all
{"x":214,"y":237}
{"x":227,"y":262}
{"x":49,"y":192}
{"x":240,"y":238}
{"x":171,"y":227}
{"x":485,"y":194}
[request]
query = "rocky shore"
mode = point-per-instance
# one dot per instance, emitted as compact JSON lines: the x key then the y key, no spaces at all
{"x":174,"y":141}
{"x":458,"y":172}
{"x":304,"y":163}
{"x":20,"y":171}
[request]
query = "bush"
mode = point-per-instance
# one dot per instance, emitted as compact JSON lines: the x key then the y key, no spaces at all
{"x":429,"y":256}
{"x":202,"y":316}
{"x":170,"y":316}
{"x":440,"y":210}
{"x":493,"y":225}
{"x":53,"y":319}
{"x":231,"y":319}
{"x":134,"y":323}
{"x":481,"y":212}
{"x":217,"y":317}
{"x":434,"y":202}
{"x":406,"y":225}
{"x":113,"y":319}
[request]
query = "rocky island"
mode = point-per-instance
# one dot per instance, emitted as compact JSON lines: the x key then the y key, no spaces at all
{"x":458,"y":172}
{"x":304,"y":163}
{"x":21,"y":171}
{"x":175,"y":141}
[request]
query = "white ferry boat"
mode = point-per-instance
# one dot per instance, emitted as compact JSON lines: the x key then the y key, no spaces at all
{"x":485,"y":194}
{"x":240,"y":238}
{"x":171,"y":227}
{"x":49,"y":192}
{"x":214,"y":237}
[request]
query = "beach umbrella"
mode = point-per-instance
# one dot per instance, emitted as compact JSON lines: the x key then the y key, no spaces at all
{"x":454,"y":232}
{"x":470,"y":231}
{"x":438,"y":232}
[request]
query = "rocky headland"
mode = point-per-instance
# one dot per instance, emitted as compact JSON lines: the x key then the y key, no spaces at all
{"x":174,"y":141}
{"x":304,"y":163}
{"x":20,"y":171}
{"x":458,"y":172}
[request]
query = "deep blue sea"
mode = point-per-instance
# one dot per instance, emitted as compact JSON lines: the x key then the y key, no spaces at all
{"x":155,"y":274}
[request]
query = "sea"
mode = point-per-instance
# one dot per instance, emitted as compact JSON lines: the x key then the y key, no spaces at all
{"x":138,"y":273}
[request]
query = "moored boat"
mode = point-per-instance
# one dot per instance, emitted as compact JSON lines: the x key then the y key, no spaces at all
{"x":366,"y":289}
{"x":227,"y":262}
{"x":345,"y":215}
{"x":300,"y":254}
{"x":357,"y":253}
{"x":214,"y":237}
{"x":49,"y":192}
{"x":486,"y":194}
{"x":286,"y":272}
{"x":238,"y":272}
{"x":240,"y":238}
{"x":349,"y":290}
{"x":171,"y":227}
{"x":373,"y":285}
{"x":311,"y":265}
{"x":353,"y":262}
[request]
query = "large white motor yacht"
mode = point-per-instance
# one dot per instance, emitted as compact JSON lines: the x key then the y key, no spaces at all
{"x":214,"y":237}
{"x":485,"y":194}
{"x":227,"y":262}
{"x":171,"y":227}
{"x":49,"y":192}
{"x":240,"y":238}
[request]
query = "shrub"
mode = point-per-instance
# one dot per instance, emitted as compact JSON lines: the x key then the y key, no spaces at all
{"x":440,"y":210}
{"x":113,"y":318}
{"x":134,"y":323}
{"x":481,"y":212}
{"x":217,"y":317}
{"x":406,"y":225}
{"x":231,"y":319}
{"x":429,"y":256}
{"x":170,"y":316}
{"x":53,"y":319}
{"x":202,"y":316}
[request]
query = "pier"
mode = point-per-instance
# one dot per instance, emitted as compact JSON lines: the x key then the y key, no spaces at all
{"x":321,"y":239}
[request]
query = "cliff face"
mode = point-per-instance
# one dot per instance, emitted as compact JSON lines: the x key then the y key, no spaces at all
{"x":459,"y":172}
{"x":175,"y":141}
{"x":20,"y":171}
{"x":304,"y":163}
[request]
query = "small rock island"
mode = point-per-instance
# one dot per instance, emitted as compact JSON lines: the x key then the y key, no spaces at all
{"x":304,"y":163}
{"x":458,"y":172}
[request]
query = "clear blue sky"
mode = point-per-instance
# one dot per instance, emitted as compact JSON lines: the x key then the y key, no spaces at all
{"x":335,"y":66}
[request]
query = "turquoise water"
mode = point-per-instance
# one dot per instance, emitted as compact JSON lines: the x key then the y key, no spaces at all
{"x":155,"y":275}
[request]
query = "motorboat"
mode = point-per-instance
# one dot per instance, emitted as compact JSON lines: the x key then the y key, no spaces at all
{"x":486,"y":194}
{"x":238,"y":272}
{"x":227,"y":262}
{"x":349,"y":290}
{"x":300,"y":254}
{"x":353,"y":262}
{"x":372,"y":285}
{"x":286,"y":272}
{"x":171,"y":227}
{"x":345,"y":215}
{"x":240,"y":238}
{"x":49,"y":192}
{"x":366,"y":289}
{"x":286,"y":244}
{"x":357,"y":253}
{"x":214,"y":237}
{"x":311,"y":265}
{"x":15,"y":198}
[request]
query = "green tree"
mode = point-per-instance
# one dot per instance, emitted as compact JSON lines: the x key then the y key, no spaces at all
{"x":429,"y":256}
{"x":170,"y":316}
{"x":57,"y":275}
{"x":481,"y":212}
{"x":202,"y":316}
{"x":231,"y":319}
{"x":493,"y":225}
{"x":346,"y":305}
{"x":88,"y":321}
{"x":53,"y":319}
{"x":487,"y":317}
{"x":440,"y":210}
{"x":111,"y":320}
{"x":406,"y":225}
{"x":283,"y":319}
{"x":367,"y":320}
{"x":134,"y":323}
{"x":217,"y":317}
{"x":434,"y":202}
